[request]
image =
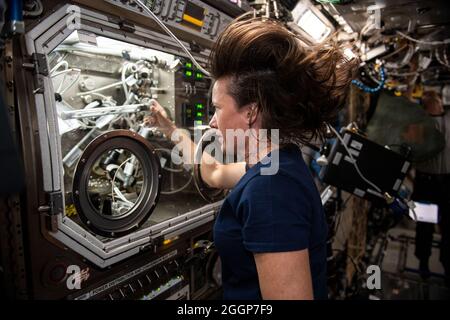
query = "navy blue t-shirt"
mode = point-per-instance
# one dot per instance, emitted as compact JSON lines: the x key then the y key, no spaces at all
{"x":271,"y":213}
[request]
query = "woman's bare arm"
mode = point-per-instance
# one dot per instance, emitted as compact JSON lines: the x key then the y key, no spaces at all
{"x":215,"y":174}
{"x":284,"y":275}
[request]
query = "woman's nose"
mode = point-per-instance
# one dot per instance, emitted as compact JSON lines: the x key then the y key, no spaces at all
{"x":213,"y":122}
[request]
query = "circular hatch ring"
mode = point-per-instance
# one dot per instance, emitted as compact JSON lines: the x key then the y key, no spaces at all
{"x":206,"y":192}
{"x":109,"y":226}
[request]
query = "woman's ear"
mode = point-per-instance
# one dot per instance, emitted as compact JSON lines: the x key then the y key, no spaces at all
{"x":252,"y":114}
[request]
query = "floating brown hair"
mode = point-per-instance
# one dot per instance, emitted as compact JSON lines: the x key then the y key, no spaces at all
{"x":297,"y":88}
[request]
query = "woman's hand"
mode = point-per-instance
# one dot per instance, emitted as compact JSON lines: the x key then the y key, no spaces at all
{"x":159,"y":118}
{"x":213,"y":173}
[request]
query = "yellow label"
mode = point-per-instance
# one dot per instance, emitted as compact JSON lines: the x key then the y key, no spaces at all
{"x":192,"y":20}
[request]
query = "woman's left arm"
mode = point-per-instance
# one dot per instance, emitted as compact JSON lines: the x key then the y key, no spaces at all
{"x":284,"y":275}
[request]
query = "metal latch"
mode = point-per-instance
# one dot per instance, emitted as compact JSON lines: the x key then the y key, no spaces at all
{"x":53,"y":209}
{"x":38,"y":63}
{"x":55,"y":204}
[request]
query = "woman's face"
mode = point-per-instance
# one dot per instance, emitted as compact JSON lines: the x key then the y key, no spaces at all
{"x":227,"y":117}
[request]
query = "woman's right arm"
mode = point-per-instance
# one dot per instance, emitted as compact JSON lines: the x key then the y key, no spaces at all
{"x":221,"y":176}
{"x":214,"y":174}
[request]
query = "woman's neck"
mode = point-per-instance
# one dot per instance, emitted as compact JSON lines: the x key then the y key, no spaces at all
{"x":255,"y":154}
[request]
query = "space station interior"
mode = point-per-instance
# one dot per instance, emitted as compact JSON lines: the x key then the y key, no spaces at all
{"x":90,"y":189}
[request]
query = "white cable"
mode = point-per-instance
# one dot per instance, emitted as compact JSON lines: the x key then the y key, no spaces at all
{"x":112,"y":85}
{"x":122,"y":197}
{"x":101,"y":111}
{"x":405,"y":60}
{"x":59,"y":64}
{"x":124,"y":83}
{"x":439,"y":59}
{"x":169,"y":152}
{"x":432,"y":43}
{"x":61,"y":83}
{"x":65,"y":71}
{"x":93,"y":104}
{"x":70,"y":85}
{"x":114,"y":178}
{"x":129,"y":98}
{"x":353,"y":160}
{"x":163,"y":26}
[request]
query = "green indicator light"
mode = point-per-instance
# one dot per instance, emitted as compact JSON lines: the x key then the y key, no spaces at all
{"x":199,"y":114}
{"x":188,"y":65}
{"x":199,"y":122}
{"x":188,"y":73}
{"x":199,"y":106}
{"x":199,"y":75}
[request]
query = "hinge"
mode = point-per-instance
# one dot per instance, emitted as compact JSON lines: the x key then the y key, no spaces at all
{"x":53,"y":209}
{"x":38,"y":63}
{"x":55,"y":204}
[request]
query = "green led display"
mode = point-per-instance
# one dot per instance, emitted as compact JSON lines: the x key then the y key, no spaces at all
{"x":199,"y":114}
{"x":198,"y":76}
{"x":188,"y":73}
{"x":199,"y":106}
{"x":188,"y":65}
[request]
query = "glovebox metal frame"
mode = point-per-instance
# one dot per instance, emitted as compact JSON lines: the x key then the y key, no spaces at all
{"x":44,"y":38}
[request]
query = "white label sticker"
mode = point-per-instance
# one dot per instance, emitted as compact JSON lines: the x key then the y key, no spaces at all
{"x":359,"y":192}
{"x":424,"y":212}
{"x":405,"y":167}
{"x":356,"y":145}
{"x":346,"y":138}
{"x":337,"y":159}
{"x":397,"y":184}
{"x":354,"y":152}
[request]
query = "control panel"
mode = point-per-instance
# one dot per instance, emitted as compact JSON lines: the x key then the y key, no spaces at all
{"x":192,"y":16}
{"x":157,"y":279}
{"x":193,"y":96}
